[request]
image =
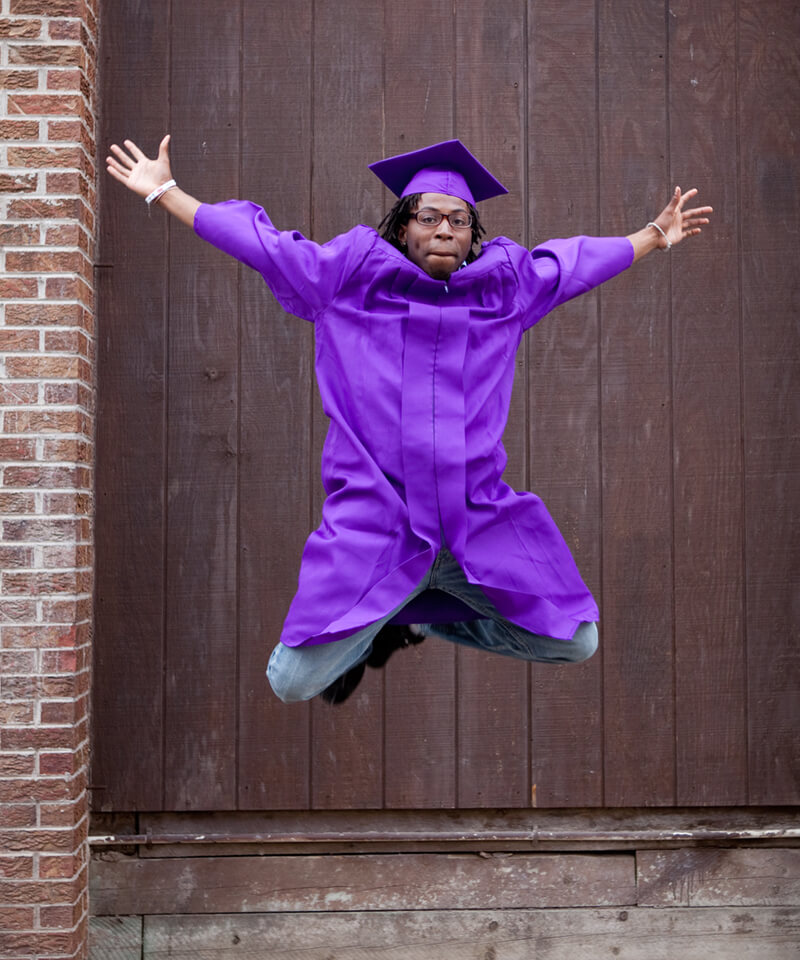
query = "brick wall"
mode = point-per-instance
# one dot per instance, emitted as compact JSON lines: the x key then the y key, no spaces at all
{"x":47,"y":204}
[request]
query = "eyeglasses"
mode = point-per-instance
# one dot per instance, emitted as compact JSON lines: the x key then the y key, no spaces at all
{"x":432,"y":218}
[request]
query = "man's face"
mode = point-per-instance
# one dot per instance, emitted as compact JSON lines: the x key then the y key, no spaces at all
{"x":441,"y":249}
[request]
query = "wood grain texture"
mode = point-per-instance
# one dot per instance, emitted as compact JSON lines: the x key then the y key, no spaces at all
{"x":115,"y":938}
{"x":127,"y":698}
{"x":371,"y":882}
{"x":711,"y":878}
{"x":769,"y":112}
{"x":201,"y":661}
{"x":629,"y":934}
{"x":276,"y":473}
{"x":710,"y":701}
{"x":563,"y":401}
{"x":636,"y":417}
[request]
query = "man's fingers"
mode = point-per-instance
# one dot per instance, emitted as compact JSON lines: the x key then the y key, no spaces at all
{"x":134,"y":149}
{"x":122,"y":157}
{"x":114,"y":166}
{"x":116,"y":174}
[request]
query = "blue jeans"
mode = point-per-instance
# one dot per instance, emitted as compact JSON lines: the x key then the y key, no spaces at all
{"x":300,"y":673}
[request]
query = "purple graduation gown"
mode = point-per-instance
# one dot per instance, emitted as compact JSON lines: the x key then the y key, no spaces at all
{"x":415,"y":375}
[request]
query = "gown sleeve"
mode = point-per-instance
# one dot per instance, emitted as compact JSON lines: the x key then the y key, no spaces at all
{"x":303,"y":276}
{"x":559,"y":270}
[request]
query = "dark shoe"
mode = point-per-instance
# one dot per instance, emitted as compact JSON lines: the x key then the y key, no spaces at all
{"x":392,"y":637}
{"x":343,"y":686}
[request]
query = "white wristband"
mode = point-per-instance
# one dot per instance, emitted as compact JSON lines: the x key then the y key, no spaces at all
{"x":669,"y":242}
{"x":160,"y":191}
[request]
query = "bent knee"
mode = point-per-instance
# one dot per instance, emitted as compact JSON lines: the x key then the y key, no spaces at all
{"x":584,"y":643}
{"x":288,"y":685}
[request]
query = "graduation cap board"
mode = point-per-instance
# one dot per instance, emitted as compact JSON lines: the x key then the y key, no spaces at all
{"x":446,"y":167}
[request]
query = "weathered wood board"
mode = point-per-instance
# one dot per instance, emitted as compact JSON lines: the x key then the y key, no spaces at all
{"x":630,"y":934}
{"x":708,"y":878}
{"x":372,"y":882}
{"x":115,"y":938}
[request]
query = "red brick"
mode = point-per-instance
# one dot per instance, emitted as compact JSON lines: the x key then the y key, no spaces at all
{"x":70,"y":182}
{"x":46,"y":944}
{"x":18,"y":287}
{"x":19,"y":79}
{"x":43,"y":368}
{"x":38,"y":476}
{"x":43,"y":314}
{"x":14,"y":394}
{"x":37,"y":209}
{"x":70,"y":450}
{"x":15,"y":448}
{"x":72,"y":503}
{"x":64,"y":235}
{"x":43,"y":104}
{"x":18,"y":182}
{"x":66,"y":79}
{"x":49,"y":8}
{"x":17,"y":610}
{"x":56,"y":764}
{"x":48,"y":54}
{"x":66,"y":30}
{"x":38,"y":157}
{"x":19,"y":815}
{"x":11,"y":557}
{"x":41,"y":421}
{"x":61,"y":917}
{"x":16,"y":918}
{"x":35,"y":841}
{"x":60,"y":711}
{"x":28,"y":261}
{"x":16,"y":713}
{"x":16,"y":868}
{"x":65,"y":814}
{"x":20,"y":29}
{"x":69,"y":288}
{"x":42,"y":738}
{"x":16,"y":765}
{"x":15,"y":341}
{"x":33,"y":584}
{"x":19,"y":129}
{"x":37,"y":636}
{"x":17,"y":661}
{"x":67,"y":611}
{"x":37,"y":790}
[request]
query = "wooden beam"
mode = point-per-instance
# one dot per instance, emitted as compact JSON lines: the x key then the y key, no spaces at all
{"x":130,"y":885}
{"x":629,"y":934}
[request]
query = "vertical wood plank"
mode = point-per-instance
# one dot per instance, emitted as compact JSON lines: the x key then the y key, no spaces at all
{"x":709,"y":643}
{"x":566,"y":700}
{"x":276,"y":385}
{"x":201,"y":669}
{"x":127,"y":656}
{"x":636,"y":454}
{"x":347,"y":740}
{"x":493,"y":722}
{"x":420,"y":762}
{"x":769,"y":90}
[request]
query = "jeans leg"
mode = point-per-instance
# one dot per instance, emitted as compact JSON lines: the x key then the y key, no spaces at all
{"x":497,"y":634}
{"x":510,"y":640}
{"x":300,"y":673}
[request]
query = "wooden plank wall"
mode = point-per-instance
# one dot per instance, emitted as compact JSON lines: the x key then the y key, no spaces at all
{"x":658,"y":418}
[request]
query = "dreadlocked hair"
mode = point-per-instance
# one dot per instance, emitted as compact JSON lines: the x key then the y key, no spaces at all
{"x":401,"y":212}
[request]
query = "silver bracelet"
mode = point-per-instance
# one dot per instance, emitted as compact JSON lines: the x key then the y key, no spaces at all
{"x":160,"y":191}
{"x":669,"y":242}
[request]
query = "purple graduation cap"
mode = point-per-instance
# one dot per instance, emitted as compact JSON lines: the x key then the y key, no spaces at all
{"x":446,"y":167}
